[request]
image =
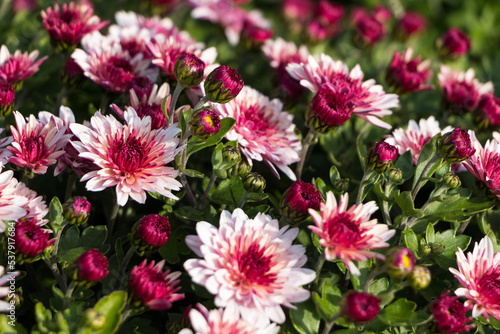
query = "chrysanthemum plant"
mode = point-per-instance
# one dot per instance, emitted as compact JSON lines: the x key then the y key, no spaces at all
{"x":151,"y":184}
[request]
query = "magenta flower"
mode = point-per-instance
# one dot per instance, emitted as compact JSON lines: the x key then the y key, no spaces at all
{"x":76,"y":210}
{"x":152,"y":230}
{"x":36,"y":208}
{"x":368,"y":28}
{"x":455,"y":43}
{"x":5,"y":306}
{"x":461,"y":91}
{"x":223,"y":321}
{"x":67,"y":25}
{"x":449,"y":315}
{"x":349,"y":234}
{"x":411,"y":23}
{"x":223,"y":84}
{"x":256,"y":28}
{"x":6,"y":98}
{"x":298,"y":199}
{"x":455,"y":146}
{"x":35,"y":145}
{"x":131,"y":157}
{"x":91,"y":266}
{"x":24,"y":5}
{"x":299,"y":11}
{"x":415,"y":136}
{"x":381,"y":156}
{"x":262,"y":130}
{"x":399,"y":262}
{"x":11,"y":202}
{"x":189,"y":70}
{"x":204,"y":123}
{"x":479,"y":275}
{"x":31,"y":239}
{"x":252,"y":263}
{"x":19,"y":66}
{"x":359,"y":306}
{"x":370,"y":101}
{"x":408,"y":75}
{"x":488,"y":110}
{"x":154,"y":288}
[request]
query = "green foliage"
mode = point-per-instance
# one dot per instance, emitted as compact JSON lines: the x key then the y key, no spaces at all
{"x":73,"y":244}
{"x":105,"y":316}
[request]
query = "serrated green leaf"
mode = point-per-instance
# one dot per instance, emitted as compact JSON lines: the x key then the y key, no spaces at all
{"x":410,"y":240}
{"x":455,"y":211}
{"x":196,"y":144}
{"x":228,"y":188}
{"x":398,"y":313}
{"x":378,"y":286}
{"x":405,"y":202}
{"x":450,"y":243}
{"x":174,"y":246}
{"x":328,"y":302}
{"x":304,"y":318}
{"x":73,"y":245}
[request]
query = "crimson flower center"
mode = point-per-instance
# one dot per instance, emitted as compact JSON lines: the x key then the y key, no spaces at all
{"x":69,"y":16}
{"x":489,"y":287}
{"x":34,"y":148}
{"x":129,"y":156}
{"x":342,"y":228}
{"x":254,"y":267}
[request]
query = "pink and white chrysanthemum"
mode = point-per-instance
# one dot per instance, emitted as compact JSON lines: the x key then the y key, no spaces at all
{"x":223,"y":321}
{"x":479,"y":275}
{"x":484,"y":164}
{"x":280,"y":52}
{"x":36,"y":145}
{"x":5,"y":306}
{"x":4,"y":152}
{"x":252,"y":263}
{"x":461,"y":89}
{"x":349,"y":234}
{"x":263,"y":131}
{"x":155,"y":25}
{"x":11,"y":202}
{"x":35,"y":208}
{"x":149,"y":105}
{"x":415,"y":136}
{"x":106,"y":63}
{"x":131,"y":157}
{"x":369,"y":99}
{"x":14,"y":68}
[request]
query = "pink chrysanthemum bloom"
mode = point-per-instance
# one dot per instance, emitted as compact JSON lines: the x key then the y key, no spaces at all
{"x":31,"y":239}
{"x":488,"y":111}
{"x":35,"y":208}
{"x":106,"y":63}
{"x":154,"y":288}
{"x":262,"y":130}
{"x":131,"y":157}
{"x":415,"y":136}
{"x":252,"y":263}
{"x":91,"y":266}
{"x":408,"y":75}
{"x":36,"y":145}
{"x":6,"y":306}
{"x":223,"y":321}
{"x":149,"y":105}
{"x":11,"y":202}
{"x":67,"y":25}
{"x":461,"y":91}
{"x":19,"y":66}
{"x":410,"y":24}
{"x":349,"y":234}
{"x":370,"y":101}
{"x":454,"y":43}
{"x":450,"y":315}
{"x":4,"y":152}
{"x":484,"y":164}
{"x":479,"y":275}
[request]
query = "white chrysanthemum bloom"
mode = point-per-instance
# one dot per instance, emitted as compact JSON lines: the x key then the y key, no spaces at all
{"x":263,"y":131}
{"x":369,"y":99}
{"x":223,"y":321}
{"x":349,"y":234}
{"x":479,"y":275}
{"x":4,"y":152}
{"x":280,"y":52}
{"x":252,"y":263}
{"x":415,"y":136}
{"x":4,"y":290}
{"x":131,"y":157}
{"x":36,"y":208}
{"x":11,"y":202}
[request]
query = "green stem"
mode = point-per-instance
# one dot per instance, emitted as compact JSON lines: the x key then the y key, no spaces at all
{"x":68,"y":294}
{"x":173,"y":101}
{"x":70,"y":185}
{"x":330,"y":323}
{"x":244,"y":199}
{"x":366,"y":176}
{"x":371,"y":276}
{"x":57,"y":274}
{"x":124,"y":264}
{"x":200,"y":104}
{"x":189,"y":192}
{"x":308,"y":142}
{"x":60,"y":97}
{"x":112,"y":216}
{"x":421,"y":179}
{"x":104,"y":102}
{"x":204,"y":197}
{"x":319,"y":265}
{"x":58,"y":239}
{"x":385,"y":205}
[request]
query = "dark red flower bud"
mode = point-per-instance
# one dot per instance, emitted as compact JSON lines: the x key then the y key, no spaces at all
{"x":223,"y":84}
{"x":298,"y":199}
{"x":204,"y":123}
{"x":454,"y":43}
{"x":31,"y":239}
{"x":7,"y":94}
{"x":410,"y":24}
{"x":76,"y":210}
{"x":91,"y":266}
{"x":408,"y":75}
{"x":381,"y":157}
{"x":455,"y":146}
{"x":151,"y":232}
{"x":359,"y":306}
{"x":449,"y":315}
{"x":189,"y":70}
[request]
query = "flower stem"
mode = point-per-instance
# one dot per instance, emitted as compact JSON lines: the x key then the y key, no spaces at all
{"x":173,"y":101}
{"x":58,"y":239}
{"x":112,"y":216}
{"x":57,"y":274}
{"x":68,"y":294}
{"x":308,"y":142}
{"x":60,"y":97}
{"x":426,"y":170}
{"x":200,"y":104}
{"x":124,"y":264}
{"x":204,"y":197}
{"x":366,"y":176}
{"x":104,"y":103}
{"x":330,"y":323}
{"x":319,"y":265}
{"x":69,"y":186}
{"x":243,"y":199}
{"x":385,"y":205}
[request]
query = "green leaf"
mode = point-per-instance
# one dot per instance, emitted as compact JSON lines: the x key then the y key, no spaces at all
{"x":405,"y":202}
{"x":328,"y":303}
{"x":7,"y":328}
{"x":174,"y":246}
{"x":196,"y":144}
{"x":334,"y":174}
{"x":378,"y":286}
{"x":228,"y":188}
{"x":405,"y":163}
{"x":217,"y":158}
{"x":401,"y":312}
{"x":191,"y":172}
{"x":56,"y":217}
{"x":429,"y":233}
{"x":321,"y":186}
{"x":305,"y":318}
{"x":106,"y":316}
{"x":72,"y":244}
{"x":450,"y":243}
{"x":429,"y":151}
{"x":410,"y":240}
{"x":455,"y":211}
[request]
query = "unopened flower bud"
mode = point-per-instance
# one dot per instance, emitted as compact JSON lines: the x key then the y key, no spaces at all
{"x":451,"y":180}
{"x":6,"y":98}
{"x":437,"y":248}
{"x":454,"y":43}
{"x":395,"y":175}
{"x":420,"y":277}
{"x":241,"y":169}
{"x":254,"y":182}
{"x":455,"y":146}
{"x":359,"y":306}
{"x":381,"y":156}
{"x":231,"y":154}
{"x":223,"y":84}
{"x":31,"y":240}
{"x":205,"y":123}
{"x":298,"y":199}
{"x":399,"y":262}
{"x":71,"y":74}
{"x":189,"y":69}
{"x":90,"y":267}
{"x":76,"y":210}
{"x":150,"y":233}
{"x":426,"y":249}
{"x":93,"y":319}
{"x":341,"y":186}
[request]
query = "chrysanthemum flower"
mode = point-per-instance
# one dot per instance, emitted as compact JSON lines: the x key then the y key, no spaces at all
{"x":488,"y":110}
{"x":479,"y":275}
{"x":449,"y":315}
{"x":408,"y":75}
{"x":11,"y":203}
{"x":7,"y":94}
{"x":223,"y":321}
{"x":153,"y":287}
{"x":411,"y":23}
{"x":4,"y":291}
{"x":4,"y":152}
{"x":31,"y":239}
{"x":91,"y":266}
{"x":262,"y":130}
{"x":298,"y":199}
{"x":36,"y":145}
{"x":131,"y":157}
{"x":461,"y":91}
{"x":349,"y":234}
{"x":370,"y":101}
{"x":369,"y":27}
{"x":454,"y":43}
{"x":415,"y":136}
{"x":19,"y":66}
{"x":484,"y":164}
{"x":252,"y":263}
{"x":67,"y":25}
{"x":35,"y":208}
